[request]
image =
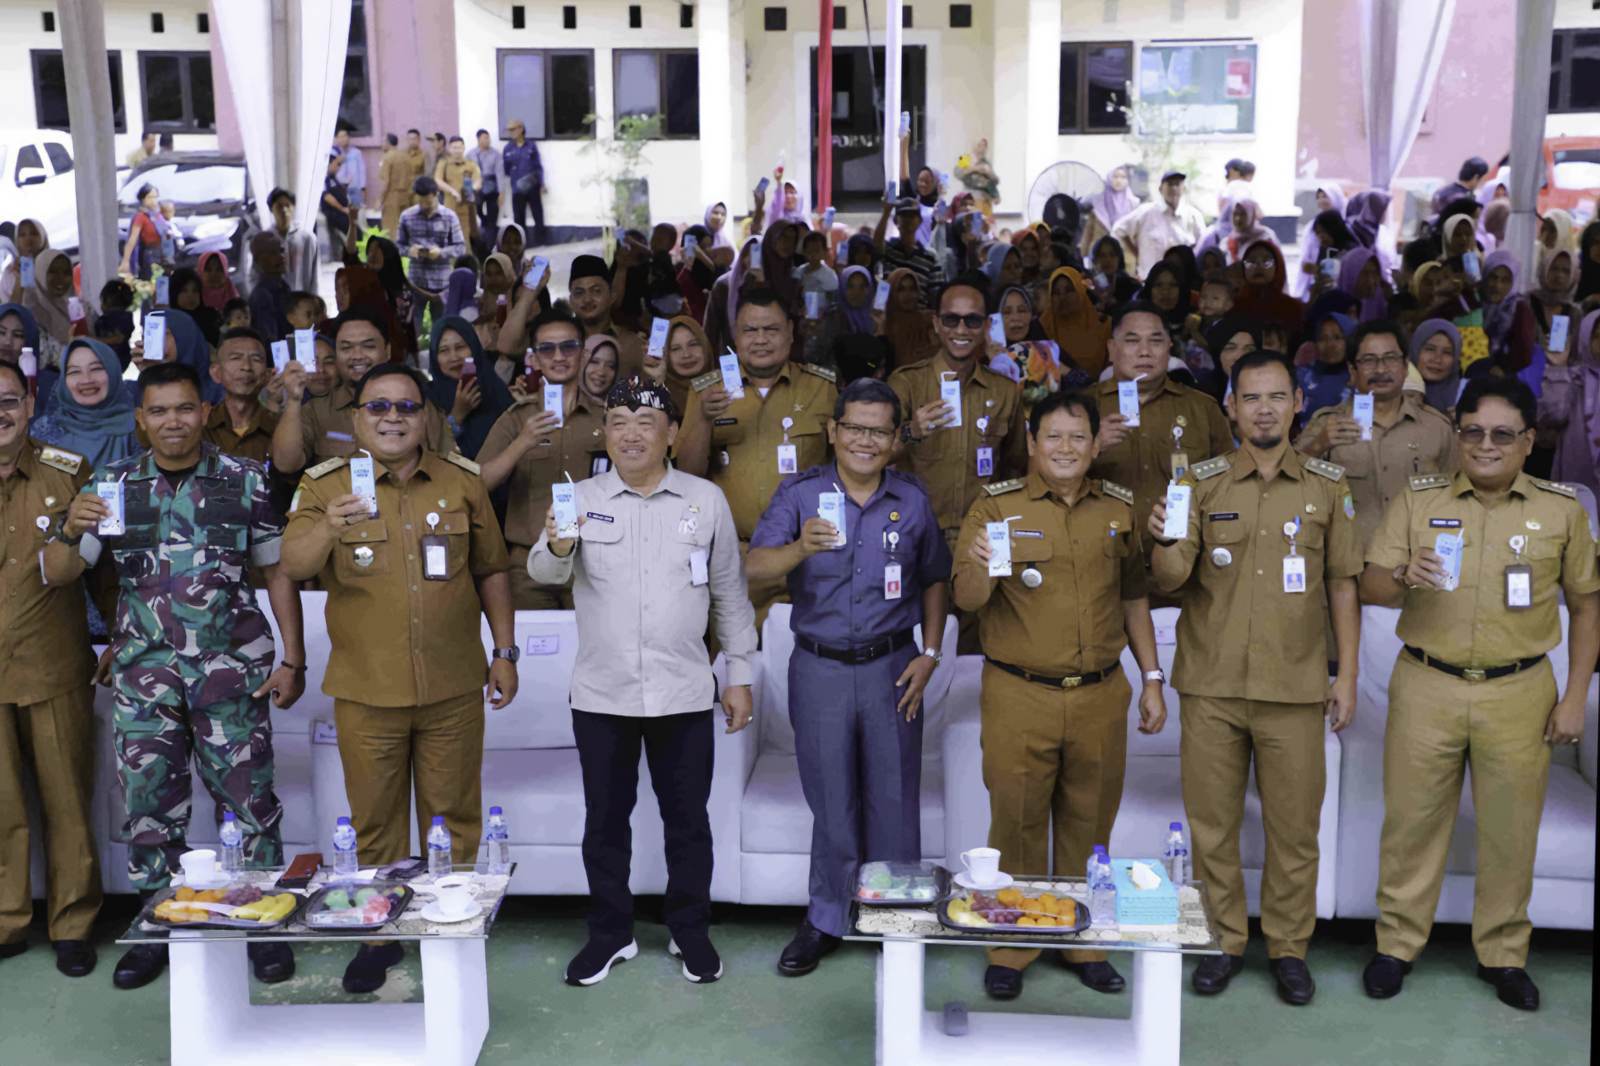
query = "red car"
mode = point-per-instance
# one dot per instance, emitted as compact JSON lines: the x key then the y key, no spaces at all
{"x":1574,"y":164}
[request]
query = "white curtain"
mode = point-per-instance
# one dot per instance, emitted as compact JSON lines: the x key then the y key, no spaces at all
{"x":1402,"y":44}
{"x":245,"y":27}
{"x":324,"y":36}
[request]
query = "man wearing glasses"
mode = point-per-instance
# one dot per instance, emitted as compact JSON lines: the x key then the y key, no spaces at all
{"x":1472,"y":685}
{"x":859,"y":587}
{"x":1405,"y":439}
{"x":408,"y":571}
{"x":534,"y":448}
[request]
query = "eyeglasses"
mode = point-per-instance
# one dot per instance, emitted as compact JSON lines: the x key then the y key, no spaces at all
{"x":1501,"y":438}
{"x":8,"y":404}
{"x":549,"y":347}
{"x":878,"y":434}
{"x":951,"y":321}
{"x":1388,"y":362}
{"x":381,"y":407}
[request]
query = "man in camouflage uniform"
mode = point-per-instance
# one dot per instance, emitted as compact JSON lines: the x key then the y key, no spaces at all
{"x":191,"y":653}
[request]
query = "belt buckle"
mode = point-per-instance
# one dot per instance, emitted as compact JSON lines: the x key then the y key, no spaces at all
{"x":1475,"y":676}
{"x":1071,"y":682}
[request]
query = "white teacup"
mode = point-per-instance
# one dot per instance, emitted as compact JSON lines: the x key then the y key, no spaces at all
{"x":454,"y":894}
{"x":199,"y":866}
{"x":983,"y":865}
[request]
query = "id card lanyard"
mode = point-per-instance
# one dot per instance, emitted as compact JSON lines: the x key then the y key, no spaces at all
{"x":1180,"y":458}
{"x":891,"y":571}
{"x":788,"y":454}
{"x":1519,"y":579}
{"x":435,"y":552}
{"x":1294,"y":564}
{"x":986,"y":452}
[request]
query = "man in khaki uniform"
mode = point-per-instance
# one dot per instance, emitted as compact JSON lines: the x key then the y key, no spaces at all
{"x":1055,"y":699}
{"x":742,"y":446}
{"x":1407,"y":438}
{"x":452,"y":171}
{"x":406,"y":671}
{"x":241,"y":425}
{"x":396,"y":171}
{"x":46,"y":695}
{"x":1273,"y":550}
{"x":533,"y":449}
{"x":1472,"y":685}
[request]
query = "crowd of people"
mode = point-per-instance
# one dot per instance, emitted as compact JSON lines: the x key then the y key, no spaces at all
{"x":895,"y":399}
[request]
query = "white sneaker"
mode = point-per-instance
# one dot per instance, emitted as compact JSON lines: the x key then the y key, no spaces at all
{"x":586,"y":968}
{"x":705,"y":955}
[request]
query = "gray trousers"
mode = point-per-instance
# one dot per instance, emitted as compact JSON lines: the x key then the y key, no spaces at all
{"x":861,"y":769}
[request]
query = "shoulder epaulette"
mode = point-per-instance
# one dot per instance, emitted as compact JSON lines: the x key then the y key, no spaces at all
{"x":1556,"y":487}
{"x":1419,"y":482}
{"x":1209,"y":468}
{"x":1000,"y":488}
{"x":61,"y":459}
{"x":820,"y":371}
{"x":909,"y":367}
{"x":324,"y":468}
{"x":463,"y":462}
{"x":705,"y":381}
{"x":1331,"y":471}
{"x":1113,"y":489}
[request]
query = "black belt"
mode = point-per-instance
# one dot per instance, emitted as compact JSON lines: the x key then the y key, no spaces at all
{"x":1488,"y":674}
{"x":857,"y":656}
{"x":1055,"y":682}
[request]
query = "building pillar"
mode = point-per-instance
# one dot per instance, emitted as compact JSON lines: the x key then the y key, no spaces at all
{"x":1529,"y":102}
{"x":716,"y":106}
{"x":94,"y":169}
{"x":1043,"y":97}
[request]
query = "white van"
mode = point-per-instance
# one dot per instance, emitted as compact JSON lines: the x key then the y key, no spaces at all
{"x":36,"y":182}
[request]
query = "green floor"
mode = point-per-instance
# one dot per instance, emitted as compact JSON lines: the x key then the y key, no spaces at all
{"x":646,"y":1013}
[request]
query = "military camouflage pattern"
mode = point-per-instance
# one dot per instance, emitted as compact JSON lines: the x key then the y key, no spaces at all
{"x":232,"y":744}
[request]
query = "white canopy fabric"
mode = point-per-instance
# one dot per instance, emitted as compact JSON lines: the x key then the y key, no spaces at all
{"x":324,"y":37}
{"x":245,"y":27}
{"x":1402,"y":44}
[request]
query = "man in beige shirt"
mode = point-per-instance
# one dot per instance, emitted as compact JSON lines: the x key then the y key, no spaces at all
{"x":654,"y":558}
{"x":1150,"y":229}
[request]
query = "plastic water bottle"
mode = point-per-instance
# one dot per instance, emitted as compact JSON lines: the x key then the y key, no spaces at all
{"x":1176,"y":855}
{"x":438,"y":849}
{"x":1092,"y":867}
{"x":499,"y":838}
{"x":345,"y":863}
{"x":232,"y":844}
{"x":1103,"y":896}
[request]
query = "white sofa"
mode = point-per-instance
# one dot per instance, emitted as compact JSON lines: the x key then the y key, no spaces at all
{"x":1152,"y":793}
{"x":1563,"y":870}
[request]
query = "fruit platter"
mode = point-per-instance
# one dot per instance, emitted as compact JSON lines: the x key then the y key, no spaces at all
{"x":240,"y":906}
{"x":346,"y":905}
{"x":900,"y":883}
{"x":1013,"y":910}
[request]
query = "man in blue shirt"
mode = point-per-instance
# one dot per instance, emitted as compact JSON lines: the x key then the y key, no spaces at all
{"x":856,"y":677}
{"x":526,"y":174}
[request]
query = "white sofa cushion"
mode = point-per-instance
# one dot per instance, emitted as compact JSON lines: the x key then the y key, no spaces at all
{"x":775,"y":818}
{"x":540,"y":791}
{"x":540,"y":716}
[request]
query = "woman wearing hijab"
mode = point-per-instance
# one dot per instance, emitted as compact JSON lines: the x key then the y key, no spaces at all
{"x":1325,"y":381}
{"x":1163,"y":286}
{"x":1553,"y":295}
{"x":91,"y":409}
{"x":27,"y":240}
{"x":788,"y":204}
{"x":779,"y":246}
{"x":188,"y":296}
{"x":716,"y":222}
{"x":861,"y":250}
{"x":192,"y":351}
{"x":855,"y":348}
{"x":907,"y":328}
{"x":1507,"y":320}
{"x":464,"y":384}
{"x":1112,"y":283}
{"x":1262,"y":294}
{"x":1588,"y":265}
{"x":513,"y":244}
{"x":47,"y":296}
{"x":18,"y":330}
{"x":1003,"y":267}
{"x":1074,"y":323}
{"x":1436,"y":353}
{"x":723,"y":304}
{"x":1569,"y":408}
{"x":216,"y":284}
{"x":686,"y":356}
{"x":1334,"y":300}
{"x":663,"y":296}
{"x":1229,"y":337}
{"x":459,"y":290}
{"x":1492,"y":224}
{"x":1555,"y":231}
{"x":598,"y":371}
{"x":1107,"y":209}
{"x":1329,"y":198}
{"x":1361,"y":276}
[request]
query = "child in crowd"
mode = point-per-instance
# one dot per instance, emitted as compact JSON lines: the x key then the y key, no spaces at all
{"x":115,"y":324}
{"x":816,"y":276}
{"x":1274,"y":338}
{"x":303,"y":310}
{"x":1216,"y":300}
{"x":235,"y":313}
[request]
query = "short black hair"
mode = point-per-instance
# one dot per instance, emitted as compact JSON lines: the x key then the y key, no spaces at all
{"x":169,"y":374}
{"x":1064,"y":401}
{"x":144,"y":190}
{"x":814,"y":235}
{"x":413,"y":130}
{"x":147,"y":133}
{"x":483,"y":133}
{"x":1513,"y":391}
{"x":868,"y":390}
{"x":296,"y":298}
{"x":165,"y":140}
{"x":22,"y":379}
{"x":425,"y":186}
{"x":384,"y":370}
{"x":556,"y":314}
{"x":279,"y":193}
{"x":241,"y":333}
{"x":1261,"y":357}
{"x":359,"y":313}
{"x":468,"y":261}
{"x":1473,"y":168}
{"x":116,"y":293}
{"x":1134,"y":307}
{"x":453,"y":140}
{"x":970,"y":279}
{"x":392,"y":139}
{"x":238,"y":303}
{"x":1376,"y":327}
{"x":761,"y":297}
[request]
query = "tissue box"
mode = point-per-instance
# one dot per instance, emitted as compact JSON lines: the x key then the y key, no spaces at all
{"x":1144,"y":906}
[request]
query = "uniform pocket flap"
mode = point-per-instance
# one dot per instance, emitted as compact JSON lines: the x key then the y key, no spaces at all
{"x":372,"y":531}
{"x":453,"y":522}
{"x":599,"y":529}
{"x":1030,"y":549}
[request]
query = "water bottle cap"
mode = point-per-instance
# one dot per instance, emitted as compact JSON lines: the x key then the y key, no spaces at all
{"x":342,"y":821}
{"x":493,"y":811}
{"x":438,"y":819}
{"x":227,"y":816}
{"x":1176,"y":827}
{"x":1099,"y":849}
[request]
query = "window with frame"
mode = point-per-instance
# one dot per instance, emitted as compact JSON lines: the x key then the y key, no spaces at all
{"x":355,"y":98}
{"x":1201,"y":88}
{"x":1574,"y":71}
{"x":176,"y":88}
{"x":50,"y":91}
{"x":660,"y":82}
{"x":551,"y":90}
{"x":1094,"y":86}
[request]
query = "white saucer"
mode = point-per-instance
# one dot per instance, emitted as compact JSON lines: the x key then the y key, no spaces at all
{"x":202,"y":886}
{"x":965,"y":881}
{"x":432,"y":913}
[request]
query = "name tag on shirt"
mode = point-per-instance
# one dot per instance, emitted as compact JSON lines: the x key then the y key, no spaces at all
{"x":985,"y":462}
{"x":788,"y":459}
{"x":891,"y":581}
{"x":599,"y":517}
{"x":698,"y":574}
{"x":1294,"y":573}
{"x":1223,"y":516}
{"x":1444,"y":523}
{"x":1519,"y":587}
{"x":435,"y":559}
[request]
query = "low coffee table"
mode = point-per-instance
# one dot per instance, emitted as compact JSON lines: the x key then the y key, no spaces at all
{"x":213,"y":1021}
{"x":911,"y":1035}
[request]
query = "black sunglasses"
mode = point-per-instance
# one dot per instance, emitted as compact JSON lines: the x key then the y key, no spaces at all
{"x":951,"y":321}
{"x":381,"y":407}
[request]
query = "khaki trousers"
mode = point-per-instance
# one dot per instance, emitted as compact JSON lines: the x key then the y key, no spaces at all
{"x":1286,"y":739}
{"x":1439,"y":724}
{"x":527,"y":594}
{"x":384,"y":750}
{"x":1051,"y":755}
{"x":393,"y":204}
{"x":56,"y":736}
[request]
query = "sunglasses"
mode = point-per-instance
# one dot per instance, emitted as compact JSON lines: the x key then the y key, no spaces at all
{"x":1501,"y":438}
{"x":951,"y":321}
{"x":381,"y":407}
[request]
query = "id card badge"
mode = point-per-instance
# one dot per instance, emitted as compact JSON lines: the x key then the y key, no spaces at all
{"x":986,"y":462}
{"x":1558,"y":333}
{"x":280,"y":356}
{"x":891,"y":581}
{"x":1294,"y":573}
{"x":305,"y":349}
{"x":732,"y":378}
{"x":1519,"y":587}
{"x":698,"y":572}
{"x":830,"y":508}
{"x":435,"y":559}
{"x":110,"y":493}
{"x":1128,"y":401}
{"x":1361,"y":411}
{"x":788,"y":459}
{"x":1448,"y":547}
{"x":155,"y":337}
{"x":364,"y":481}
{"x":564,"y":497}
{"x":658,"y":337}
{"x":555,"y":402}
{"x":950,"y":393}
{"x":1176,"y":526}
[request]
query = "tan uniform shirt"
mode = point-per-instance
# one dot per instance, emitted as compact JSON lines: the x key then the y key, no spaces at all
{"x":1421,"y":442}
{"x":1143,"y":461}
{"x":413,"y":164}
{"x":327,"y":426}
{"x":947,"y":459}
{"x":1088,"y":560}
{"x":44,"y":629}
{"x":1241,"y":636}
{"x":578,"y":448}
{"x":254,"y":443}
{"x":744,"y":441}
{"x":1472,"y":627}
{"x":451,"y":172}
{"x":399,"y":639}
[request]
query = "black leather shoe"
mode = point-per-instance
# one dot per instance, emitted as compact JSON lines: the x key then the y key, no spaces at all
{"x":370,"y":968}
{"x":271,"y":962}
{"x":75,"y":958}
{"x":1214,"y":973}
{"x":1513,"y":985}
{"x":11,"y":951}
{"x":142,"y":964}
{"x":1295,"y":986}
{"x":1100,"y":976}
{"x":1383,"y":976}
{"x":1002,"y":982}
{"x":807,"y":948}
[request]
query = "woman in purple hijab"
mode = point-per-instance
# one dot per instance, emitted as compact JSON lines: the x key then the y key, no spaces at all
{"x":1365,"y":213}
{"x":1569,"y":408}
{"x":1361,"y":276}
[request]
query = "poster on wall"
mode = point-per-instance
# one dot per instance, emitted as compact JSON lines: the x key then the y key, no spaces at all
{"x":1204,"y":89}
{"x":1241,"y":78}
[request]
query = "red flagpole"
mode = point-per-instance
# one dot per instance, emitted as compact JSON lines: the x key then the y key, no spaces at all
{"x":825,"y":106}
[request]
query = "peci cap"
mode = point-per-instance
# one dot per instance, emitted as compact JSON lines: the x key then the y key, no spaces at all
{"x":637,"y":392}
{"x":906,"y":205}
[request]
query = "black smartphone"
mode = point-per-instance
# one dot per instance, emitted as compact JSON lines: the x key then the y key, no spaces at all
{"x":403,"y":870}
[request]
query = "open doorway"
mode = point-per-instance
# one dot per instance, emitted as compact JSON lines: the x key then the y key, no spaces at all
{"x":858,"y":124}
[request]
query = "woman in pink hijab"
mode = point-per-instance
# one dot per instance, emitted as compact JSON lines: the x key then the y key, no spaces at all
{"x":216,"y":287}
{"x":1569,"y":408}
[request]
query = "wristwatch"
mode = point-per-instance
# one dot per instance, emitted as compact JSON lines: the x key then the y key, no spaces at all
{"x":905,"y":434}
{"x":935,"y":654}
{"x":1156,"y":675}
{"x":510,"y":655}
